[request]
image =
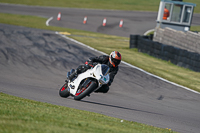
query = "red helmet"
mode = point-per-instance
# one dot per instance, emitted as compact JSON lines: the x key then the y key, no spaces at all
{"x":115,"y":58}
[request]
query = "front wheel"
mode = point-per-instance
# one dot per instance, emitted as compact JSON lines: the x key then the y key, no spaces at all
{"x":64,"y":91}
{"x":83,"y":92}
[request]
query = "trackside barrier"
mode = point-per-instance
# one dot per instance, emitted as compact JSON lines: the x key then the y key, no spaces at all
{"x":178,"y":56}
{"x":185,"y":40}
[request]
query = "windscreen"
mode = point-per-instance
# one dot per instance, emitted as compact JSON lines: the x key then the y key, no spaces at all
{"x":104,"y":69}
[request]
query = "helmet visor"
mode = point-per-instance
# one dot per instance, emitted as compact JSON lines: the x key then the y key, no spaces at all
{"x":115,"y":61}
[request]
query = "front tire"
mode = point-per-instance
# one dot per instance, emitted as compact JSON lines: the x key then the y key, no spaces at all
{"x":64,"y":91}
{"x":87,"y":91}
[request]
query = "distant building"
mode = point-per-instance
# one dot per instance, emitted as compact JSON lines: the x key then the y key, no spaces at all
{"x":175,"y":14}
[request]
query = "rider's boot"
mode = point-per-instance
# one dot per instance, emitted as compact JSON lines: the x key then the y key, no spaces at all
{"x":80,"y":69}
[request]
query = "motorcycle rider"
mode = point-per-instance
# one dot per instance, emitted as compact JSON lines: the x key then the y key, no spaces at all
{"x":112,"y":61}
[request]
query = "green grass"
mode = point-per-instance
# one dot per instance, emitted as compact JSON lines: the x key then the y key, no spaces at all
{"x":195,"y":28}
{"x":141,"y":5}
{"x":19,"y":115}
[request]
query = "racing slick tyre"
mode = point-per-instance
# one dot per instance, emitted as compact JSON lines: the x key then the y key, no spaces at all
{"x":83,"y":92}
{"x":64,"y":91}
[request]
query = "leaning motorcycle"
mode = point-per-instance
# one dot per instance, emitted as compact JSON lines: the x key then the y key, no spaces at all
{"x":86,"y":83}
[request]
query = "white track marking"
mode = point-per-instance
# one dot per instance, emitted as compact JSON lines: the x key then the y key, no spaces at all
{"x":47,"y":22}
{"x":131,"y":65}
{"x":147,"y":32}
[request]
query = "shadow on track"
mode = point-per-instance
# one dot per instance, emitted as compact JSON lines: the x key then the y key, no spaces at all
{"x":119,"y":107}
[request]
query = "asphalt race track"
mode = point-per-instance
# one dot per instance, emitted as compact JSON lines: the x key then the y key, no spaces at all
{"x":34,"y":63}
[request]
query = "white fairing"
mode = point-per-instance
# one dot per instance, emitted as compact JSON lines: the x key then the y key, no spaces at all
{"x":95,"y":73}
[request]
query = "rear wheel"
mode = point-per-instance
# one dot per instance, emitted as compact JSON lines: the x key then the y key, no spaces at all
{"x":85,"y":91}
{"x":64,"y":91}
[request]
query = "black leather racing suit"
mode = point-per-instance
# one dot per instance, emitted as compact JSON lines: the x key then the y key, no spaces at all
{"x":103,"y":59}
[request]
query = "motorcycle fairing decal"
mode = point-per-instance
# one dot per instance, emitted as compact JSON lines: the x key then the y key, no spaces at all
{"x":71,"y":86}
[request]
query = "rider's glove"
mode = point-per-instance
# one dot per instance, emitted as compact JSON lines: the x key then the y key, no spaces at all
{"x":88,"y":63}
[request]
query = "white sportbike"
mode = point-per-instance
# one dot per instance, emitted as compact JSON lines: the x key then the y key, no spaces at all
{"x":86,"y":83}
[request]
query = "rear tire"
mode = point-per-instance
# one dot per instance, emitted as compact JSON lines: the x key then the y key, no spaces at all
{"x":63,"y":92}
{"x":87,"y":92}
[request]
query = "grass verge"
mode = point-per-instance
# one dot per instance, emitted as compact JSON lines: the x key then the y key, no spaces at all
{"x":108,"y":43}
{"x":150,"y":5}
{"x":22,"y":115}
{"x":195,"y":28}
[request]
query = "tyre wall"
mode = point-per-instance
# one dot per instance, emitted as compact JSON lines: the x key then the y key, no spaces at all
{"x":176,"y":55}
